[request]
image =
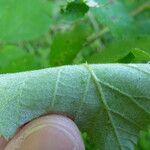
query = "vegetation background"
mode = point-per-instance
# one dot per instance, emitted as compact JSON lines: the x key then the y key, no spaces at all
{"x":44,"y":33}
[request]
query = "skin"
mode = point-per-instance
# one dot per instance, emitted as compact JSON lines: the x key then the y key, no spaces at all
{"x":53,"y":132}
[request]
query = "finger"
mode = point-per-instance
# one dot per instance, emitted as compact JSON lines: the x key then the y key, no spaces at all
{"x":54,"y":132}
{"x":3,"y":143}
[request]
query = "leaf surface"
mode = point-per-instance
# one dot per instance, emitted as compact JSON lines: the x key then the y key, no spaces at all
{"x":74,"y":9}
{"x":124,"y":51}
{"x":23,"y":19}
{"x":114,"y":15}
{"x":110,"y":102}
{"x":66,"y":45}
{"x":16,"y":59}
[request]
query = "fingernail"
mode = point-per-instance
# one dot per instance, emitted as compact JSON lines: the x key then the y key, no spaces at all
{"x":53,"y":132}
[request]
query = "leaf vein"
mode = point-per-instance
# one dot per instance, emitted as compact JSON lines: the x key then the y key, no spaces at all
{"x":125,"y":118}
{"x":56,"y":88}
{"x":100,"y":91}
{"x":124,"y":130}
{"x":84,"y":94}
{"x":125,"y":94}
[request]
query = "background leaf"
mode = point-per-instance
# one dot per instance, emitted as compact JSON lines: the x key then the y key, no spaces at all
{"x":143,"y":143}
{"x":16,"y":59}
{"x":23,"y":20}
{"x":115,"y":16}
{"x":136,"y":55}
{"x":74,"y":9}
{"x":66,"y":45}
{"x":124,"y":52}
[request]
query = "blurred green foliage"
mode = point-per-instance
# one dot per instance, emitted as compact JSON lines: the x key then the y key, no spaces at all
{"x":144,"y":141}
{"x":41,"y":33}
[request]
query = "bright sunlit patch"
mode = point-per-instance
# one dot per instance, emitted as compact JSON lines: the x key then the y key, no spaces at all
{"x":92,"y":3}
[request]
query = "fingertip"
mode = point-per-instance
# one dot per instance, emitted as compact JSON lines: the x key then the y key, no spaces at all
{"x":50,"y":132}
{"x":3,"y":143}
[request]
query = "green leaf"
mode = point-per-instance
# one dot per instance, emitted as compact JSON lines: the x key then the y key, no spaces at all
{"x":110,"y":102}
{"x":143,"y":142}
{"x":23,"y":19}
{"x":74,"y":9}
{"x":140,"y":55}
{"x":136,"y":56}
{"x":87,"y":142}
{"x":114,"y":15}
{"x":15,"y":59}
{"x":143,"y":22}
{"x":123,"y":51}
{"x":66,"y":45}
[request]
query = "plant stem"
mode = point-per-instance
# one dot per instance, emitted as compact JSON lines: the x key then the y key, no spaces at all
{"x":95,"y":37}
{"x":95,"y":25}
{"x":140,"y":8}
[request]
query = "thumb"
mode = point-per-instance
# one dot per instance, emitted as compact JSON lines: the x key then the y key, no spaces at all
{"x":54,"y":132}
{"x":3,"y":143}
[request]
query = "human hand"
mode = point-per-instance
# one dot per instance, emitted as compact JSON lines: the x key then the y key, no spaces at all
{"x":53,"y":132}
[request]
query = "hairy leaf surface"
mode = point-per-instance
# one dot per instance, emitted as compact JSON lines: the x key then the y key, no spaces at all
{"x":110,"y":102}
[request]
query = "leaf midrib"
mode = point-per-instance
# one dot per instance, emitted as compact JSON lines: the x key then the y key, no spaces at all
{"x":100,"y":91}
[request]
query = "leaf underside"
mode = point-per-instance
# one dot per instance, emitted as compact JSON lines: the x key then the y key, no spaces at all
{"x":108,"y":101}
